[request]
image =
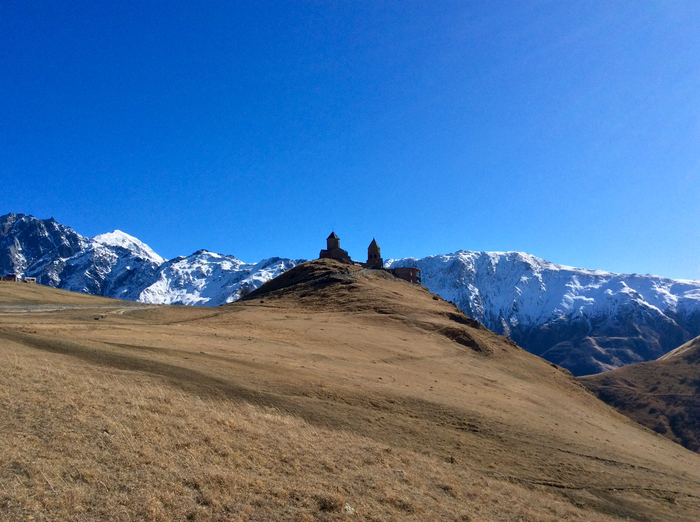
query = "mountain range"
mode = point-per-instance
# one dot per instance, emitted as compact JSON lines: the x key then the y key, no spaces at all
{"x":587,"y":321}
{"x":119,"y":265}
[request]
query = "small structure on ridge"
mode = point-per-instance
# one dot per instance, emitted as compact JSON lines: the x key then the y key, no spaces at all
{"x":407,"y":273}
{"x":374,"y":259}
{"x":374,"y":255}
{"x":333,"y":250}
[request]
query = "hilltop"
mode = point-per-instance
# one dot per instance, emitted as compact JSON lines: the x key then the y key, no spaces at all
{"x":663,"y":395}
{"x":331,"y":393}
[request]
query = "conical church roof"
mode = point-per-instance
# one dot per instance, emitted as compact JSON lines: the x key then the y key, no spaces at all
{"x":333,"y":236}
{"x":373,"y":244}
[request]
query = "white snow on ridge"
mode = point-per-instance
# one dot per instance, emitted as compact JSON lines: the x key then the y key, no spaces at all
{"x":119,"y":265}
{"x":500,"y":289}
{"x":524,"y":289}
{"x":121,"y":239}
{"x":208,"y":279}
{"x":534,"y":301}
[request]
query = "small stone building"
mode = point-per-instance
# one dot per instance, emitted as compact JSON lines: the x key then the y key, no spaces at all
{"x":333,"y":250}
{"x":412,"y":275}
{"x":10,"y":277}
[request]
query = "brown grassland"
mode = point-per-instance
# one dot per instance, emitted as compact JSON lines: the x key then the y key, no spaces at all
{"x":329,"y":394}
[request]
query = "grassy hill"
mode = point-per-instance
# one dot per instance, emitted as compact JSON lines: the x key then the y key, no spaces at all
{"x":331,"y":393}
{"x":16,"y":293}
{"x":663,"y":395}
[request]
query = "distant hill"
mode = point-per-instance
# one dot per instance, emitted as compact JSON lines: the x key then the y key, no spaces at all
{"x":587,"y":321}
{"x":663,"y":395}
{"x":25,"y":295}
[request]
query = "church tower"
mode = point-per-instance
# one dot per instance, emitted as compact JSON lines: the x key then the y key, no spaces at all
{"x":332,"y":241}
{"x":374,"y":255}
{"x":333,"y":250}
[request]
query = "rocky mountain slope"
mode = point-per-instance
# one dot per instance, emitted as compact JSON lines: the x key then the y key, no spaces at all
{"x":111,"y":265}
{"x":209,"y":279}
{"x":120,"y":266}
{"x":585,"y":320}
{"x":663,"y":395}
{"x":28,"y":245}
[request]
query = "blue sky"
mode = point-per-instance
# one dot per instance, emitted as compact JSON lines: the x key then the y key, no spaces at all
{"x":569,"y":130}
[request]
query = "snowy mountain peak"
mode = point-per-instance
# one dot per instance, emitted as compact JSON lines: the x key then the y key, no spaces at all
{"x":204,"y":253}
{"x":121,"y":239}
{"x":209,"y":279}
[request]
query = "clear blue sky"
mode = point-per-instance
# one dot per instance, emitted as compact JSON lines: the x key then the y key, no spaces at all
{"x":569,"y":130}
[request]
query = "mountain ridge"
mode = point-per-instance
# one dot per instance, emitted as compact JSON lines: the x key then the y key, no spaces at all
{"x":119,"y":265}
{"x":585,"y":320}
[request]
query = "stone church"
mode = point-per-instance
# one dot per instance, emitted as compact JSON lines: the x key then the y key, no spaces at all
{"x":333,"y":250}
{"x":374,"y":259}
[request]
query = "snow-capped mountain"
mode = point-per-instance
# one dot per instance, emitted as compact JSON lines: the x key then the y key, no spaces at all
{"x":585,"y":320}
{"x":109,"y":270}
{"x":113,"y":265}
{"x":29,"y":245}
{"x":130,"y":243}
{"x":206,"y":278}
{"x":119,"y":265}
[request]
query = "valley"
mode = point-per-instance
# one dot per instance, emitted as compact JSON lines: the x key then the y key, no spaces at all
{"x":663,"y":395}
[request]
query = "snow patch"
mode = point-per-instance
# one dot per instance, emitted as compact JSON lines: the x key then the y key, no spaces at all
{"x":121,"y":239}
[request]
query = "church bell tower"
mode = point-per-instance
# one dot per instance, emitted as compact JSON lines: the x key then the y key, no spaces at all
{"x":374,"y":255}
{"x":332,"y":241}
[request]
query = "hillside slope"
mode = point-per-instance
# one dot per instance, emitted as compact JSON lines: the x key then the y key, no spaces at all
{"x":663,"y":395}
{"x":24,"y":296}
{"x":329,"y":391}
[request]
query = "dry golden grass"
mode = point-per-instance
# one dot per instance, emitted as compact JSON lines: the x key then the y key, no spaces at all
{"x":26,"y":293}
{"x":94,"y":444}
{"x":344,"y":387}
